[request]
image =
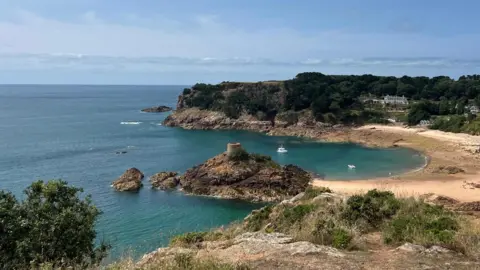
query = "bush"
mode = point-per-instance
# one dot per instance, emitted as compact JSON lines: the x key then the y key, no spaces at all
{"x":370,"y":209}
{"x":52,"y":225}
{"x":341,"y":238}
{"x":239,"y":155}
{"x":188,"y":239}
{"x":260,"y":158}
{"x":421,"y":223}
{"x":256,"y":220}
{"x":297,"y":213}
{"x":187,"y":91}
{"x":311,"y":192}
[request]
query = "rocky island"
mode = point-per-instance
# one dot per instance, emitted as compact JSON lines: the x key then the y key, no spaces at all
{"x":131,"y":180}
{"x":157,"y":109}
{"x":165,"y":180}
{"x":237,"y":174}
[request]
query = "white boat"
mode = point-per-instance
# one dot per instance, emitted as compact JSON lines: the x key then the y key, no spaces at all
{"x":351,"y":166}
{"x":281,"y":149}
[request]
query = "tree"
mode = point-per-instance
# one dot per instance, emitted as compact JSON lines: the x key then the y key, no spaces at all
{"x":52,"y":225}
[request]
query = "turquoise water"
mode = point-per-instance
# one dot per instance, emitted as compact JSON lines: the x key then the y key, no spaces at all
{"x":73,"y":132}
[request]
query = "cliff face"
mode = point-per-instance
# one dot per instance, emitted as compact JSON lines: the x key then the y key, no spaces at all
{"x":255,"y":178}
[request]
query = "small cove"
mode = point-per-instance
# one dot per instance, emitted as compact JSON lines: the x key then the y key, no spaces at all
{"x":73,"y":133}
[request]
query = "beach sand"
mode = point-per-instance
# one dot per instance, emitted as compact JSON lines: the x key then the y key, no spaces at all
{"x":442,"y":148}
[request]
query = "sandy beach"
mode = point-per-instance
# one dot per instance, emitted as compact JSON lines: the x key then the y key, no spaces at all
{"x":442,"y":148}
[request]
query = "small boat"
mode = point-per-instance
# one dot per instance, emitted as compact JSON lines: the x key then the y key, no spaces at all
{"x":281,"y":149}
{"x":351,"y":166}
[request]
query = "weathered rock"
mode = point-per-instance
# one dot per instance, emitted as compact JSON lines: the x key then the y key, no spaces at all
{"x":131,"y":180}
{"x":157,"y":109}
{"x":328,"y":197}
{"x":165,"y":180}
{"x":409,"y":247}
{"x":256,"y":178}
{"x":468,"y":206}
{"x":437,"y":249}
{"x":448,"y":170}
{"x":162,"y":254}
{"x":439,"y":199}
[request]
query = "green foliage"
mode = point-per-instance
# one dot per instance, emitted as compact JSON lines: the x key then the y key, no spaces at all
{"x":260,"y":158}
{"x":239,"y":155}
{"x":52,"y":225}
{"x":370,"y":209}
{"x":335,"y":99}
{"x":341,"y":238}
{"x":421,"y":223}
{"x":187,"y":91}
{"x":457,"y":123}
{"x":312,"y":192}
{"x":188,"y":239}
{"x":297,"y":213}
{"x":258,"y":218}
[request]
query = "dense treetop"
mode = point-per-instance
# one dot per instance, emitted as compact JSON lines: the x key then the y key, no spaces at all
{"x":335,"y":98}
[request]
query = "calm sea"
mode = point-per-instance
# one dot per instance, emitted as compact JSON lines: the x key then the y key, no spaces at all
{"x":73,"y":132}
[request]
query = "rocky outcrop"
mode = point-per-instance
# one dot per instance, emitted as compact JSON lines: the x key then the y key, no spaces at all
{"x":195,"y":118}
{"x":131,"y":180}
{"x":448,"y":170}
{"x":165,"y":180}
{"x":256,"y":178}
{"x":157,"y":109}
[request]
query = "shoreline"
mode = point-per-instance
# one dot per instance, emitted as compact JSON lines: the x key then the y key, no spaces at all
{"x":453,"y":159}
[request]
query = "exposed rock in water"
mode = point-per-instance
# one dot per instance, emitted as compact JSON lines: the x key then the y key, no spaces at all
{"x":131,"y":180}
{"x":165,"y":180}
{"x":449,"y":170}
{"x":157,"y":109}
{"x":250,"y":177}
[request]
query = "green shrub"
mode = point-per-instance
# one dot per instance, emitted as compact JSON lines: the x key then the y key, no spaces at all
{"x":52,"y":225}
{"x":341,"y":238}
{"x":421,"y":223}
{"x":371,"y":209}
{"x":239,"y":155}
{"x":187,"y":91}
{"x":297,"y":213}
{"x":311,"y":192}
{"x":260,"y":158}
{"x":257,"y":219}
{"x":188,"y":239}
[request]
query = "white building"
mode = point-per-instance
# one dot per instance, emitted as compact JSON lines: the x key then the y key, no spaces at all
{"x":395,"y":100}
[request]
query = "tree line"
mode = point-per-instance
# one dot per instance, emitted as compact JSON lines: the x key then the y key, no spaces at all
{"x":336,"y":98}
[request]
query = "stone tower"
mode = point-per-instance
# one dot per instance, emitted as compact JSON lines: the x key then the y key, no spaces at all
{"x":233,"y":147}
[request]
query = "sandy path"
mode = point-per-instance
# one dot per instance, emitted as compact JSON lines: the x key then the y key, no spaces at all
{"x":455,"y":188}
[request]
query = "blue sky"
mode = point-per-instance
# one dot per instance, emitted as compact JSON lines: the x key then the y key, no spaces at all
{"x":182,"y":42}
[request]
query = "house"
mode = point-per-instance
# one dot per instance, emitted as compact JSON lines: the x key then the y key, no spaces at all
{"x":474,"y":109}
{"x":424,"y":123}
{"x":395,"y":100}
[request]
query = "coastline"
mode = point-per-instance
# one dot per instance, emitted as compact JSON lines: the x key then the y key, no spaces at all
{"x":442,"y":150}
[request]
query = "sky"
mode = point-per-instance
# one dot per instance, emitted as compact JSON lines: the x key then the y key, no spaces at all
{"x":188,"y":41}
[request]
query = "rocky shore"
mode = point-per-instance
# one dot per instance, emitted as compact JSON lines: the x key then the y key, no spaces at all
{"x":157,"y":109}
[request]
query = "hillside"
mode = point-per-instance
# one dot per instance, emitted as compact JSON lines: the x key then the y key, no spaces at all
{"x":319,"y":229}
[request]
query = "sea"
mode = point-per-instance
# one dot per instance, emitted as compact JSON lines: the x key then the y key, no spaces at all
{"x":73,"y":132}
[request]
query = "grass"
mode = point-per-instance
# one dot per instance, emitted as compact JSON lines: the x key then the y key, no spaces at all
{"x":257,"y":219}
{"x":312,"y":192}
{"x":179,"y":262}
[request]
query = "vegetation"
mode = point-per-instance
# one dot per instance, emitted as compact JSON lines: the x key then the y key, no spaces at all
{"x":53,"y":225}
{"x":312,"y":192}
{"x":371,"y":209}
{"x":257,"y":219}
{"x":336,"y":99}
{"x":180,"y":261}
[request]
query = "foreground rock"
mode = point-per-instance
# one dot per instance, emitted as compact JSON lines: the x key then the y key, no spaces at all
{"x":268,"y":251}
{"x":157,"y":109}
{"x":249,"y":177}
{"x":131,"y":180}
{"x":165,"y":180}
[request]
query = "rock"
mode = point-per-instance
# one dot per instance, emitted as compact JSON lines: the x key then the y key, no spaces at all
{"x":448,"y":170}
{"x":468,"y":206}
{"x":329,"y":197}
{"x":157,"y":109}
{"x":162,"y":254}
{"x":409,"y":247}
{"x":120,"y":152}
{"x":437,"y":249}
{"x":253,"y":178}
{"x":165,"y":180}
{"x":131,"y":180}
{"x":439,"y":199}
{"x":297,"y":197}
